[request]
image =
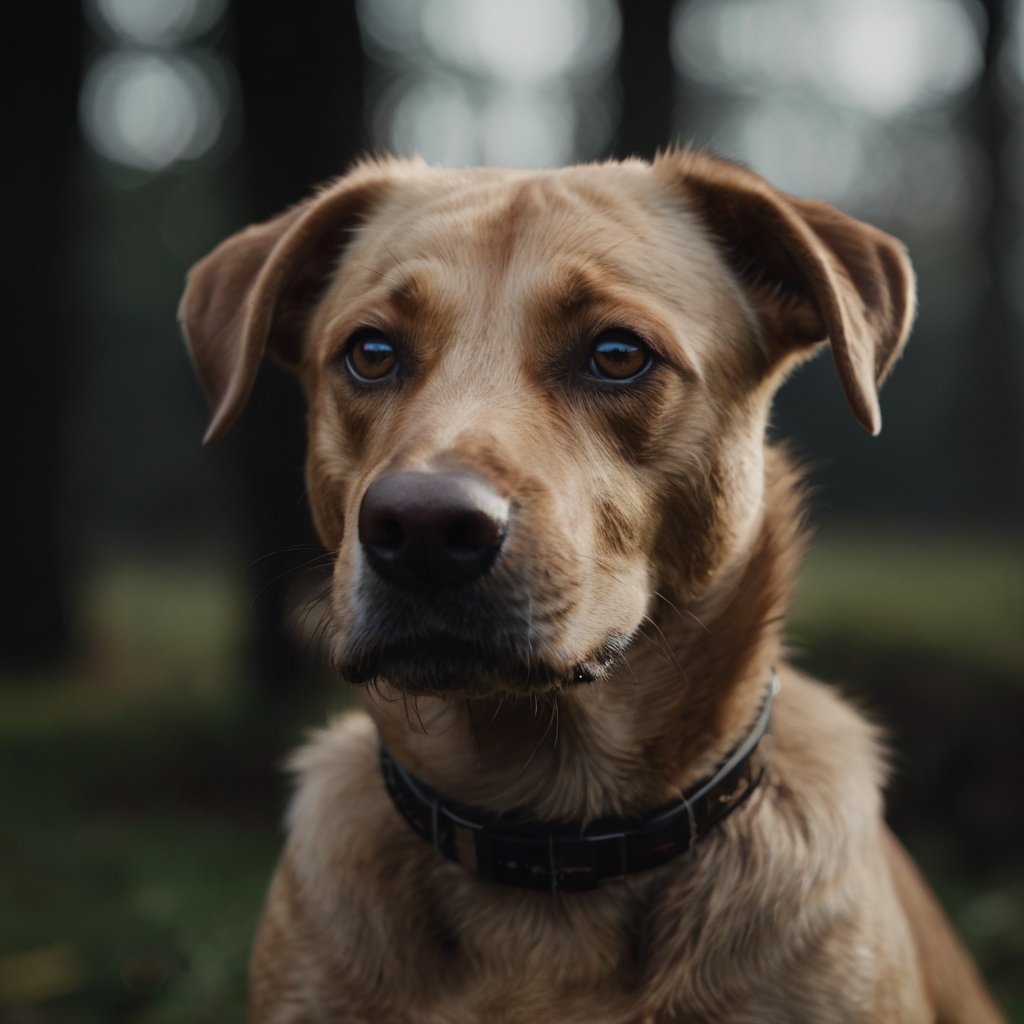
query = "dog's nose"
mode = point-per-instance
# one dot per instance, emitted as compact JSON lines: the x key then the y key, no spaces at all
{"x":431,"y":531}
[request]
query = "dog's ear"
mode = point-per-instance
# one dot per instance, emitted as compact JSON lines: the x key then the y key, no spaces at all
{"x":814,"y":273}
{"x":253,"y":294}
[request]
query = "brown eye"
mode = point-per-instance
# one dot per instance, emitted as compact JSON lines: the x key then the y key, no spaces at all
{"x":619,"y":356}
{"x":370,"y":357}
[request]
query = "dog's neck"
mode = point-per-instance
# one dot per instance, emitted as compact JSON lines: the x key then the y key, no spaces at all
{"x":688,"y":689}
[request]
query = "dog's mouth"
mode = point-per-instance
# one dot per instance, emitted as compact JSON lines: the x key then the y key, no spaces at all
{"x":447,"y":665}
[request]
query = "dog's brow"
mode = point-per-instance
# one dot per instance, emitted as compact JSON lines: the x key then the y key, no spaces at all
{"x":578,"y":287}
{"x":407,"y":293}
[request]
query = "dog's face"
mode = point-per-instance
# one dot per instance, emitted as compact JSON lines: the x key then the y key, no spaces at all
{"x":537,"y":400}
{"x":515,"y":384}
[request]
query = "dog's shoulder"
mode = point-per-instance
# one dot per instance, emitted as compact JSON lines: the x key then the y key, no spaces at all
{"x":822,"y":806}
{"x":795,"y":884}
{"x":339,"y":812}
{"x":340,"y":757}
{"x":826,"y":750}
{"x":329,"y":923}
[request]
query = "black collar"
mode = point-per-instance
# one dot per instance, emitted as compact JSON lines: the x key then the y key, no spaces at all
{"x":569,"y":856}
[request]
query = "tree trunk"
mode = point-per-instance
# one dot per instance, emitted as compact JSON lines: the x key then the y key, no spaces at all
{"x":647,"y":78}
{"x":40,"y":77}
{"x":990,"y":423}
{"x":301,"y":72}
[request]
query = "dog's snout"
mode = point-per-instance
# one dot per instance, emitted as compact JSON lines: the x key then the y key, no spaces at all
{"x":431,"y":530}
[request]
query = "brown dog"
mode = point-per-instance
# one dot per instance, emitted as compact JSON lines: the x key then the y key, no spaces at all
{"x":563,"y":553}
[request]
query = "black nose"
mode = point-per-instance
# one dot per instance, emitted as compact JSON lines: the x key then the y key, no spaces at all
{"x":431,"y":531}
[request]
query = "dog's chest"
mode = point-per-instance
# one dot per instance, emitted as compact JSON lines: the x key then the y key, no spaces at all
{"x":587,"y":964}
{"x":582,"y":953}
{"x":459,"y":950}
{"x":412,"y":931}
{"x":366,"y":916}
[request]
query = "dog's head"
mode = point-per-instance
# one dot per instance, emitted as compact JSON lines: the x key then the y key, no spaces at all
{"x":537,"y":398}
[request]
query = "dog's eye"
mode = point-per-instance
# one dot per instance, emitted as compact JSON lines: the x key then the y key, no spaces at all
{"x":620,"y":356}
{"x":370,"y":357}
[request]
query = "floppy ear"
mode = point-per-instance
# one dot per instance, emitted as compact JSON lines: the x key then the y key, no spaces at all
{"x":814,"y":273}
{"x":254,"y":293}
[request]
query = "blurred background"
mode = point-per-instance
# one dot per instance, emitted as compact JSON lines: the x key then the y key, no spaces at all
{"x":152,"y":676}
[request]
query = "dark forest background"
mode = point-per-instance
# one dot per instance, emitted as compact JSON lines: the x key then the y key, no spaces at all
{"x":153,"y":665}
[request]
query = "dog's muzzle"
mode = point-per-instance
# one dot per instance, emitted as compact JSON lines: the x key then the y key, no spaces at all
{"x":440,"y":610}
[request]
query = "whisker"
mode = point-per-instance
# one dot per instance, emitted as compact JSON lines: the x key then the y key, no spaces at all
{"x":288,"y":550}
{"x":387,"y":249}
{"x":681,"y":612}
{"x":497,"y":710}
{"x":468,"y":708}
{"x":419,"y":717}
{"x":671,"y":654}
{"x":537,"y":746}
{"x":287,"y":572}
{"x":379,"y":273}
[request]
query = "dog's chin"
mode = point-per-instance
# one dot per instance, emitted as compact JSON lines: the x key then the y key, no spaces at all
{"x":448,"y":667}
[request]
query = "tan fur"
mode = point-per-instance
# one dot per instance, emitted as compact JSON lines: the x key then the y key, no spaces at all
{"x":655,"y":514}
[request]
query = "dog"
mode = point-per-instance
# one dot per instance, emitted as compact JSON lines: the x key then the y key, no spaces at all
{"x":586,"y":787}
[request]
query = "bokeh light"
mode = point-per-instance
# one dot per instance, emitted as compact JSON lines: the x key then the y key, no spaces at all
{"x":150,"y":99}
{"x":150,"y":110}
{"x":509,"y":82}
{"x":155,"y":23}
{"x":854,"y":103}
{"x":520,"y":40}
{"x":880,"y":57}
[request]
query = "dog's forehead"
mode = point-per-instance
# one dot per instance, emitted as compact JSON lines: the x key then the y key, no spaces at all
{"x":534,"y":230}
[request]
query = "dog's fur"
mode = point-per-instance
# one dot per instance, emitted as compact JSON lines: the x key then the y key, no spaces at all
{"x":652,"y":544}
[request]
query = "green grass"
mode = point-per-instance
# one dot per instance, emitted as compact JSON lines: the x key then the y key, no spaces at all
{"x":961,"y":596}
{"x":135,"y":859}
{"x":927,"y":633}
{"x":143,"y":807}
{"x":142,"y":795}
